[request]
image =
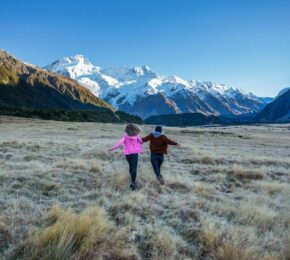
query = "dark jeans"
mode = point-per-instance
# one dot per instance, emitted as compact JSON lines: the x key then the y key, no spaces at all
{"x":132,"y":159}
{"x":156,"y":161}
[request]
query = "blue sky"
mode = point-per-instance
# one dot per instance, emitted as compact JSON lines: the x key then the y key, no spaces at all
{"x":244,"y":44}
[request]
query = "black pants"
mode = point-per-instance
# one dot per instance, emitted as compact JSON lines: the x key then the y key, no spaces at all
{"x":156,"y":161}
{"x":132,"y":159}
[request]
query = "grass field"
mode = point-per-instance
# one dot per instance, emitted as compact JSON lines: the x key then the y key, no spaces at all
{"x":63,"y":196}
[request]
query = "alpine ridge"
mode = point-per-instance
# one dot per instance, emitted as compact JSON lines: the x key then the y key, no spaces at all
{"x":27,"y":90}
{"x":277,"y":111}
{"x":28,"y":86}
{"x":141,"y":91}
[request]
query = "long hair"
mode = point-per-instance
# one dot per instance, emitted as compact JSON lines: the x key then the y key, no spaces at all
{"x":132,"y":129}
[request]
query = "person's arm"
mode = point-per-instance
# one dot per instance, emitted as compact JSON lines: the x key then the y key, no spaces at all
{"x":117,"y":145}
{"x":168,"y":141}
{"x":139,"y":139}
{"x":146,"y":138}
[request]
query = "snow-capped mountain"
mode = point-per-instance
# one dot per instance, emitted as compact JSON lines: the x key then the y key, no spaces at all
{"x":141,"y":91}
{"x":24,"y":86}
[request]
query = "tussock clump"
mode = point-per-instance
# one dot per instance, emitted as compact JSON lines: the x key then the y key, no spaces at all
{"x":146,"y":177}
{"x":241,"y":173}
{"x":72,"y":236}
{"x":121,"y":181}
{"x":158,"y":244}
{"x":79,"y":165}
{"x":49,"y":187}
{"x":178,"y":186}
{"x":204,"y":189}
{"x":134,"y":201}
{"x":222,"y":208}
{"x":222,"y":243}
{"x":71,"y":232}
{"x":178,"y":183}
{"x":199,"y":156}
{"x":207,"y":160}
{"x":233,"y":249}
{"x":209,"y":238}
{"x":257,"y":215}
{"x":54,"y":214}
{"x":95,"y":167}
{"x":272,"y":188}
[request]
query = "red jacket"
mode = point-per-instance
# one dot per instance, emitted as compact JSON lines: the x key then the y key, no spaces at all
{"x":158,"y":144}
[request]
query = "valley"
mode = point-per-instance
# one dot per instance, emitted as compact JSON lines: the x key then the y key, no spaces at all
{"x":63,"y":195}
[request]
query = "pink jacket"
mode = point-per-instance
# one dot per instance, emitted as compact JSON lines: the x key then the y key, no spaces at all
{"x":131,"y":144}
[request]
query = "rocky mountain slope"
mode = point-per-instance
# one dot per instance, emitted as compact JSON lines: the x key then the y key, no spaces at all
{"x":141,"y":91}
{"x":27,"y":86}
{"x":278,"y":110}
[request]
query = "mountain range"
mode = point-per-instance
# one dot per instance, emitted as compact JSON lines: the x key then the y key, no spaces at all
{"x":26,"y":89}
{"x":95,"y":94}
{"x":141,"y":91}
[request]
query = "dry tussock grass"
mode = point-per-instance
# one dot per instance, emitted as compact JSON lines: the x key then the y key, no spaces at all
{"x":178,"y":184}
{"x":80,"y":164}
{"x":223,"y":244}
{"x":63,"y":196}
{"x":262,"y":216}
{"x":159,"y":244}
{"x":203,"y":189}
{"x":72,"y":236}
{"x":240,"y":172}
{"x":273,"y":188}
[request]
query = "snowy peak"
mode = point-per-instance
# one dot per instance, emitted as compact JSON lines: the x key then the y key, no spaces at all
{"x":176,"y":80}
{"x":124,"y":74}
{"x":79,"y":66}
{"x":141,"y":70}
{"x":81,"y":59}
{"x":134,"y":90}
{"x":75,"y":60}
{"x":73,"y":66}
{"x":204,"y":88}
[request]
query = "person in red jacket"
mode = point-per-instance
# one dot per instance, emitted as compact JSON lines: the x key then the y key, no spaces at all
{"x":158,"y":146}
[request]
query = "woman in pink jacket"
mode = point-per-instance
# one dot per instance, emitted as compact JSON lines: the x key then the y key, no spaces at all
{"x":132,"y":146}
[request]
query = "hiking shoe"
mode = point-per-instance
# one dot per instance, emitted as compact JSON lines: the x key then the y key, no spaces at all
{"x":133,"y":185}
{"x":160,"y":179}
